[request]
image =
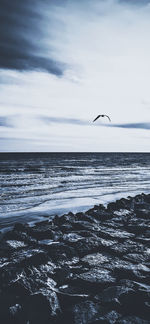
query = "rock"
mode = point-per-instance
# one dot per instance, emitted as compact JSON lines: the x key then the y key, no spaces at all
{"x":17,"y":236}
{"x":72,"y":237}
{"x":86,"y":246}
{"x":111,"y":295}
{"x":30,"y":282}
{"x":132,"y":320}
{"x":66,"y":228}
{"x":127,"y":270}
{"x":62,"y":274}
{"x":8,"y":272}
{"x":30,"y":257}
{"x":85,"y":217}
{"x":119,"y":234}
{"x":86,"y":312}
{"x":133,"y":303}
{"x":119,"y":204}
{"x":109,"y":318}
{"x":86,"y":226}
{"x":69,"y":218}
{"x":69,"y":296}
{"x":138,"y":257}
{"x":42,"y":307}
{"x":143,"y":213}
{"x":19,"y":227}
{"x":96,"y":259}
{"x":60,"y":252}
{"x":94,"y":279}
{"x":16,"y":314}
{"x":7,"y":247}
{"x":42,"y":232}
{"x":126,"y":248}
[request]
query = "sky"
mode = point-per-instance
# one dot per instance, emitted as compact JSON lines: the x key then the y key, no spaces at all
{"x":63,"y":62}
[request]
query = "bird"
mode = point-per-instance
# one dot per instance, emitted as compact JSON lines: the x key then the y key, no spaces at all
{"x":101,"y":116}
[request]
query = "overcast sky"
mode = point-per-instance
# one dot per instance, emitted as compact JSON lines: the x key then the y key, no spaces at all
{"x":62,"y":63}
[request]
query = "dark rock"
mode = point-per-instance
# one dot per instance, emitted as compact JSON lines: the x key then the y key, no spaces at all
{"x":60,"y":251}
{"x":143,"y":213}
{"x":112,"y":295}
{"x":85,"y":217}
{"x":119,"y":204}
{"x":30,"y":281}
{"x":72,"y":237}
{"x":127,"y":247}
{"x":17,"y":315}
{"x":119,"y":234}
{"x":61,"y":275}
{"x":133,"y":303}
{"x":94,"y":279}
{"x":88,"y":245}
{"x":66,"y":228}
{"x":12,"y":315}
{"x":126,"y":270}
{"x":19,"y":227}
{"x":30,"y":257}
{"x":42,"y":307}
{"x":96,"y":259}
{"x":69,"y":218}
{"x":69,"y":296}
{"x":85,"y":225}
{"x":86,"y":312}
{"x":15,"y":235}
{"x":138,"y":257}
{"x":42,"y":232}
{"x":9,"y":246}
{"x":132,"y":320}
{"x":146,"y":198}
{"x":109,"y":318}
{"x":8,"y":272}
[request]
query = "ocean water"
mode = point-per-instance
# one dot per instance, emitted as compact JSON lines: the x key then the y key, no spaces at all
{"x":33,"y":185}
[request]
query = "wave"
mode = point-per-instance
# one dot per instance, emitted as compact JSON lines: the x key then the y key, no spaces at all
{"x":51,"y":183}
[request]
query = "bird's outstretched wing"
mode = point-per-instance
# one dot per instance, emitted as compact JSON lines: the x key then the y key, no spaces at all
{"x":96,"y":118}
{"x":108,"y":117}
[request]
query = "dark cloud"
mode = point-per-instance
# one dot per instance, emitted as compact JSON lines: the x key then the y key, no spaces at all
{"x":145,"y":126}
{"x":5,"y":122}
{"x":135,"y":2}
{"x":62,"y":120}
{"x":21,"y":38}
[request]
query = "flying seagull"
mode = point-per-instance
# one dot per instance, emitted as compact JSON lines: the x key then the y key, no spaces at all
{"x":101,"y":116}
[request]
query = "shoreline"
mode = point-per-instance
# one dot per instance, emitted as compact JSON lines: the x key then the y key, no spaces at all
{"x":31,"y":216}
{"x":84,"y":268}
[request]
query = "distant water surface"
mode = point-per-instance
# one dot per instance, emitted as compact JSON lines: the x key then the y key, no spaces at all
{"x":33,"y":185}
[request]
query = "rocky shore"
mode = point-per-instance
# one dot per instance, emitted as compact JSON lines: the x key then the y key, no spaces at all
{"x":84,"y":268}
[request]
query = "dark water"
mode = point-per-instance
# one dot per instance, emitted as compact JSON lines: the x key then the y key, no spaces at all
{"x":39,"y":184}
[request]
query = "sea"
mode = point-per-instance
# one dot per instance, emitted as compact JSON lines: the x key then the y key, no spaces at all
{"x":38,"y":185}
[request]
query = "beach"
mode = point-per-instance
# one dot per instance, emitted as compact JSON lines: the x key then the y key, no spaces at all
{"x":79,"y":268}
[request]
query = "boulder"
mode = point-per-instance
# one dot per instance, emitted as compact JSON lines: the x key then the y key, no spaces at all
{"x":94,"y":280}
{"x":86,"y":312}
{"x":132,"y":320}
{"x":42,"y":307}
